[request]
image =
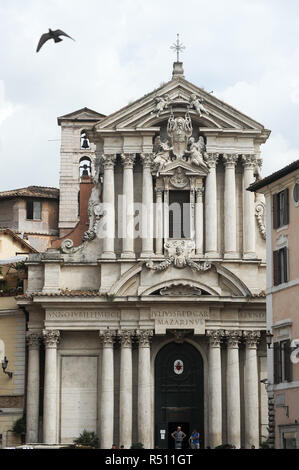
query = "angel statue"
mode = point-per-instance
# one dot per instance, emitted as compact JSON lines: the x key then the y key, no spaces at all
{"x":196,"y":151}
{"x":161,"y":103}
{"x":162,"y":156}
{"x":196,"y":102}
{"x":179,"y":130}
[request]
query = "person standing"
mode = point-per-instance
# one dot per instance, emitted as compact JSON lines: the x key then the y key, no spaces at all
{"x":194,"y":439}
{"x":178,"y":437}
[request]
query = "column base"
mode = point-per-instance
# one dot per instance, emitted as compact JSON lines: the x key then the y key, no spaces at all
{"x":231,"y":255}
{"x":128,"y":255}
{"x":249,"y":255}
{"x":212,"y":254}
{"x":146,"y":255}
{"x":108,"y":255}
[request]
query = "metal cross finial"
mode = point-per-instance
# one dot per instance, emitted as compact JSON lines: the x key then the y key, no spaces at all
{"x":178,"y":47}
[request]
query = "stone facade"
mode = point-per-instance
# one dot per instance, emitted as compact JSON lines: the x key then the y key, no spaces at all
{"x":140,"y":283}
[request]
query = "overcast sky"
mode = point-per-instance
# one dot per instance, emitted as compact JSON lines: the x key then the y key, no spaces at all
{"x":246,"y":51}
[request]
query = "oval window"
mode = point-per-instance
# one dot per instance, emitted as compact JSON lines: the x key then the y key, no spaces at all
{"x":296,"y":193}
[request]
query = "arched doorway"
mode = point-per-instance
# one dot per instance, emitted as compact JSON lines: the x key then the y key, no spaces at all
{"x":179,"y":393}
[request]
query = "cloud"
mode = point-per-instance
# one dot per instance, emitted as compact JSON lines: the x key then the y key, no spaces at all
{"x":7,"y":109}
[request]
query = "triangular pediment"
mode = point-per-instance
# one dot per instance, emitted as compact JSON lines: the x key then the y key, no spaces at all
{"x":83,"y":114}
{"x":143,"y":114}
{"x":188,"y":169}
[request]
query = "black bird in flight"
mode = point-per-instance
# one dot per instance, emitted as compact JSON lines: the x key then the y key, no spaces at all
{"x":52,"y":35}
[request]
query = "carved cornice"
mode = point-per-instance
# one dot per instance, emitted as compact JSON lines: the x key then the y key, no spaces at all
{"x":252,"y":338}
{"x":108,"y":160}
{"x":144,"y":338}
{"x":128,"y":160}
{"x":233,"y":338}
{"x":230,"y":160}
{"x":215,"y":337}
{"x":147,"y":159}
{"x":51,"y":338}
{"x":125,"y":337}
{"x":249,"y":161}
{"x":211,"y":159}
{"x":107,"y":338}
{"x":33,"y":340}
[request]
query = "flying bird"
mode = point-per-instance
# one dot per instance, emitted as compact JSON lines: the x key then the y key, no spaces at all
{"x":52,"y":35}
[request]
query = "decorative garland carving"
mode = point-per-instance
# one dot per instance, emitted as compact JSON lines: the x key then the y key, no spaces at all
{"x":260,"y":217}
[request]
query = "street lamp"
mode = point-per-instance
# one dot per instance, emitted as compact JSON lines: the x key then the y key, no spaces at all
{"x":4,"y":367}
{"x":269,"y":338}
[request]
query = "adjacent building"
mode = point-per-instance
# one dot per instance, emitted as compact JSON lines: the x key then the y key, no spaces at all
{"x":281,"y":190}
{"x":155,"y":315}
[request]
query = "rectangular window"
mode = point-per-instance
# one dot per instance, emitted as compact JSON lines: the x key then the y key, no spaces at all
{"x":179,"y":214}
{"x":280,"y":266}
{"x":289,"y":440}
{"x":283,"y":367}
{"x":281,"y":208}
{"x":33,"y":210}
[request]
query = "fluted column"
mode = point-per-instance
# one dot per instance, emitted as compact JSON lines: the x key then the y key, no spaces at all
{"x":32,"y":398}
{"x":233,"y":389}
{"x":144,"y":388}
{"x":108,"y":162}
{"x":249,"y":163}
{"x":51,"y":339}
{"x":107,"y":390}
{"x":159,"y":221}
{"x":125,"y":393}
{"x":251,"y":390}
{"x":199,"y":222}
{"x":230,"y":226}
{"x":211,"y":248}
{"x":147,"y":206}
{"x":215,"y":392}
{"x":128,"y":212}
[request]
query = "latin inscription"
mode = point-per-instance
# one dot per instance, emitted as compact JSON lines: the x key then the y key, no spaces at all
{"x":180,"y":319}
{"x":83,"y":315}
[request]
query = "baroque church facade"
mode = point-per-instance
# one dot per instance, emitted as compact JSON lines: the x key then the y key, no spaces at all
{"x":156,"y":316}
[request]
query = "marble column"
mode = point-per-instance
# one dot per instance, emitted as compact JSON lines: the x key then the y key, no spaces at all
{"x":147,"y":206}
{"x":126,"y":390}
{"x":230,"y":211}
{"x":199,"y":222}
{"x":159,"y":221}
{"x":107,"y":390}
{"x":251,"y":390}
{"x":249,"y":163}
{"x":166,"y":213}
{"x":215,"y":388}
{"x":233,"y":389}
{"x":144,"y":388}
{"x":51,"y":339}
{"x":211,"y":225}
{"x":108,"y":162}
{"x":32,"y":396}
{"x":128,"y":198}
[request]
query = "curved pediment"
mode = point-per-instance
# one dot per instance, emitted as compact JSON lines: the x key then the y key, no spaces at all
{"x":178,"y":97}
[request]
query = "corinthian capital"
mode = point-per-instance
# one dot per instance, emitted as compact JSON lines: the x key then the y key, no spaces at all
{"x":252,"y":338}
{"x":108,"y":160}
{"x":51,"y":338}
{"x":249,"y":161}
{"x":144,"y":337}
{"x":211,"y":159}
{"x":107,"y":337}
{"x":128,"y":160}
{"x":215,"y":336}
{"x":33,"y":340}
{"x":230,"y":159}
{"x":147,"y":159}
{"x":233,"y":338}
{"x":125,"y":337}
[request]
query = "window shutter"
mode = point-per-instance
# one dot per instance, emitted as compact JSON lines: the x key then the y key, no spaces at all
{"x":275,"y":211}
{"x":286,"y":207}
{"x":29,"y":210}
{"x":276,"y":270}
{"x":288,"y":366}
{"x":277,"y":368}
{"x":286,"y":264}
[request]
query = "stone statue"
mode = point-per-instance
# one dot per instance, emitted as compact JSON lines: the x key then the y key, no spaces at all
{"x":196,"y":102}
{"x":196,"y":151}
{"x":179,"y":129}
{"x":95,"y":210}
{"x":162,"y":156}
{"x":161,"y":103}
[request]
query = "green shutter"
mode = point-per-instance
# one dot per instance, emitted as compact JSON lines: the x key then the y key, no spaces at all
{"x":286,"y":207}
{"x":277,"y":368}
{"x":288,"y":366}
{"x":276,"y":264}
{"x":275,"y":211}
